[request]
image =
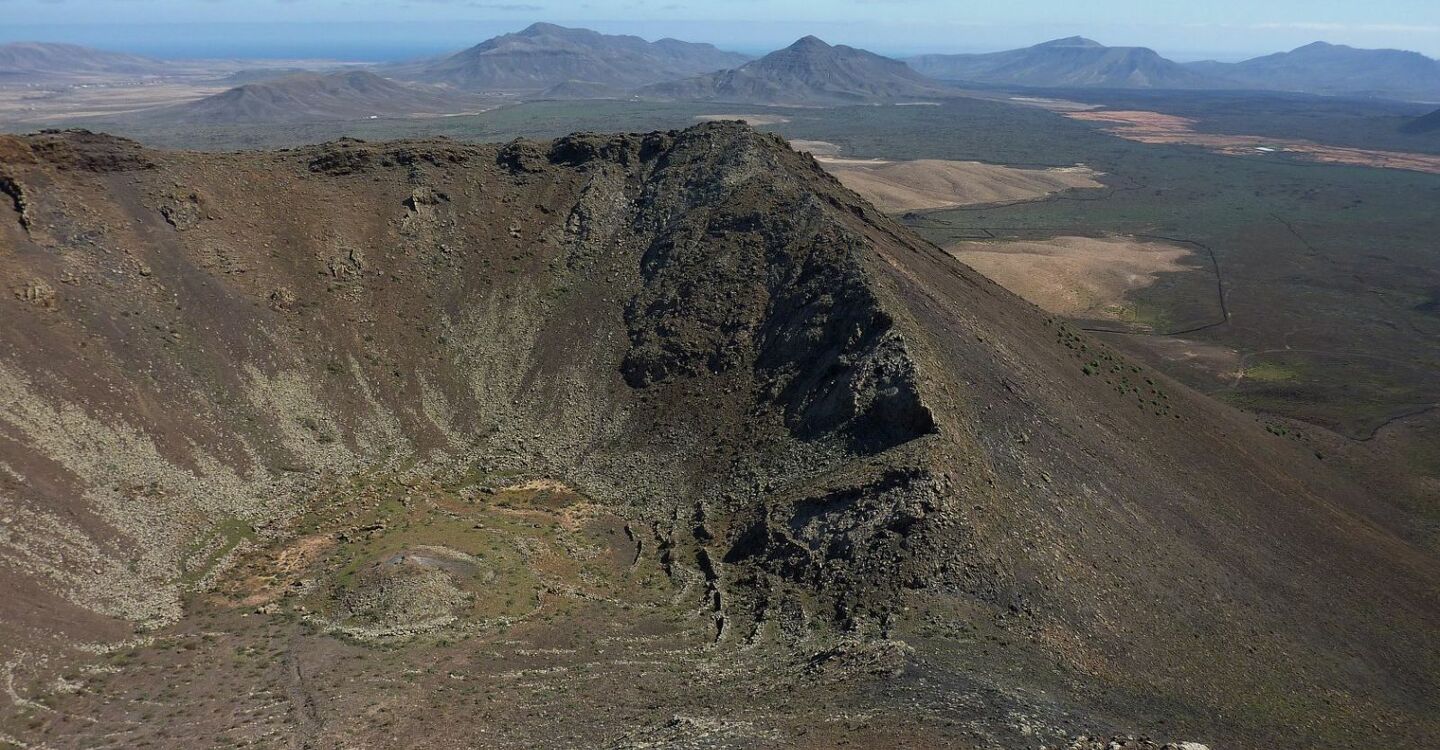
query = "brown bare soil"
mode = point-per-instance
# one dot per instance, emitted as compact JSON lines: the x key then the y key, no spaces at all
{"x":1154,"y":127}
{"x":928,"y":184}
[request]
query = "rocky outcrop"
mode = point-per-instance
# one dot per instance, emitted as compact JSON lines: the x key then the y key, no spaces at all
{"x":84,"y":151}
{"x":789,"y":297}
{"x":12,"y":190}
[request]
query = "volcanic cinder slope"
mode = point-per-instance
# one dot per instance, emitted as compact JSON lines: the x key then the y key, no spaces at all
{"x":1070,"y":62}
{"x":809,"y":72}
{"x":636,"y":440}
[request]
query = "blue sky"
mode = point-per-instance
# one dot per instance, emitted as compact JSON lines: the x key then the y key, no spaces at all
{"x":1227,"y":29}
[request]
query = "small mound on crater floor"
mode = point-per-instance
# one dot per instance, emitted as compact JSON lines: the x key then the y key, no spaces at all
{"x":408,"y":593}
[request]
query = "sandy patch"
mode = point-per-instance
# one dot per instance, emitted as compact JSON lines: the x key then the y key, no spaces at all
{"x":1154,"y":127}
{"x":816,"y":148}
{"x":1054,"y":105}
{"x":926,"y":184}
{"x":1078,"y":277}
{"x":37,"y":105}
{"x":752,"y":120}
{"x":1138,"y":122}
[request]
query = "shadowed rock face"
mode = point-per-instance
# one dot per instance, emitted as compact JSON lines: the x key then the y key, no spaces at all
{"x":810,"y":422}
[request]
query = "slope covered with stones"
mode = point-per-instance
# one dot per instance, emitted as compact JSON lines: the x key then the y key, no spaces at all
{"x":813,"y":422}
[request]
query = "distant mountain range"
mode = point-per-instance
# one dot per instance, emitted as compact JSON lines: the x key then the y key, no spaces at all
{"x":349,"y":95}
{"x":808,"y":72}
{"x":36,"y":61}
{"x":1075,"y":62}
{"x":1334,"y":69}
{"x":545,"y":55}
{"x":554,"y":62}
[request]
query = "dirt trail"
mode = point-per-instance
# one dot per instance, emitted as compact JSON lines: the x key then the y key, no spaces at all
{"x":307,"y":714}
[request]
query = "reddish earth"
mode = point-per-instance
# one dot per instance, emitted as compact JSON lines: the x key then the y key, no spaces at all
{"x":1154,"y":127}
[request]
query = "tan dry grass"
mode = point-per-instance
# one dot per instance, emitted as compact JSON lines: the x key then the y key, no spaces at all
{"x":927,"y":184}
{"x":1078,"y":277}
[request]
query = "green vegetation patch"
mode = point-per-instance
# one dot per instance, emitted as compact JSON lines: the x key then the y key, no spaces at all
{"x":1272,"y":372}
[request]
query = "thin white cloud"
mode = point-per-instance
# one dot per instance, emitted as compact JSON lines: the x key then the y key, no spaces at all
{"x":1382,"y":28}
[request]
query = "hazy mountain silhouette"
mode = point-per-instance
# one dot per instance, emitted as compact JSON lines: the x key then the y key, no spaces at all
{"x":807,"y":72}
